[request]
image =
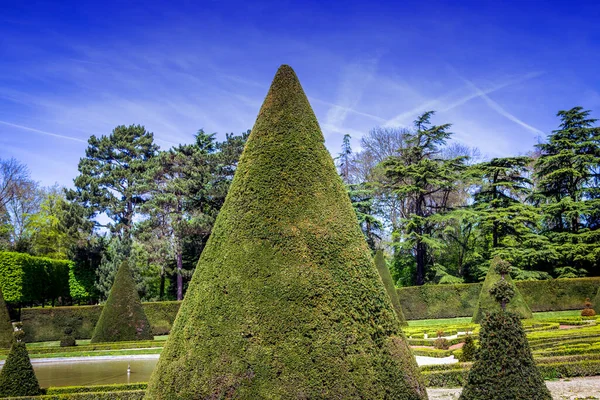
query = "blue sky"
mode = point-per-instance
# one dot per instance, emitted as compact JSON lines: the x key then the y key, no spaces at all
{"x":498,"y":71}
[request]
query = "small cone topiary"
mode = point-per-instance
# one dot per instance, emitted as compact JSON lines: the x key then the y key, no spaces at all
{"x":286,"y":302}
{"x":388,"y":283}
{"x":68,"y":340}
{"x":487,"y":303}
{"x":469,"y":350}
{"x":6,"y":328}
{"x":504,"y":368}
{"x":122,"y":317}
{"x":17,"y":377}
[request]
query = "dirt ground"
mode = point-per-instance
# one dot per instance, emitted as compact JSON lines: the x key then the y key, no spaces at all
{"x":564,"y":389}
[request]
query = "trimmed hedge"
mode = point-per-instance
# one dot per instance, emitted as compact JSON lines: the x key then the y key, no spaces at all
{"x":120,"y":387}
{"x":124,"y":395}
{"x":28,"y":279}
{"x":450,"y":301}
{"x":47,"y":324}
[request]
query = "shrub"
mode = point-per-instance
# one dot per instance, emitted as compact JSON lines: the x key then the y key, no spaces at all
{"x":469,"y":350}
{"x":504,"y":366}
{"x":487,"y":302}
{"x":6,"y":328}
{"x":449,"y":301}
{"x":441,"y":343}
{"x":48,"y":323}
{"x":17,"y":377}
{"x":68,"y":340}
{"x":388,"y":283}
{"x":588,"y":311}
{"x":25,"y":278}
{"x":596,"y":301}
{"x":122,"y":318}
{"x":286,"y":301}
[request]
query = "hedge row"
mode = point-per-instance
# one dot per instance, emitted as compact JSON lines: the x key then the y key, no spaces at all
{"x":120,"y":387}
{"x":47,"y":324}
{"x":449,"y":301}
{"x":457,"y":376}
{"x":124,"y":395}
{"x":28,"y":279}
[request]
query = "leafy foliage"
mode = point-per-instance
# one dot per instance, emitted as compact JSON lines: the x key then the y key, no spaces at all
{"x":469,"y":350}
{"x":390,"y":288}
{"x":122,"y":318}
{"x":488,"y":301}
{"x":6,"y":328}
{"x":17,"y":377}
{"x":504,"y":367}
{"x":286,"y":301}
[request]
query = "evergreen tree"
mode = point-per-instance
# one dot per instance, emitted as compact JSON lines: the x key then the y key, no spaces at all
{"x":362,"y":198}
{"x":388,"y":283}
{"x":6,"y":328}
{"x":17,"y":377}
{"x":423,"y":179}
{"x":122,"y":317}
{"x":499,"y":271}
{"x":567,"y":174}
{"x":113,"y":177}
{"x":504,"y":368}
{"x":286,"y":301}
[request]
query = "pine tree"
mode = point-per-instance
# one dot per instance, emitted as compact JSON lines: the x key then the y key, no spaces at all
{"x":390,"y":288}
{"x":17,"y":377}
{"x":6,"y":328}
{"x":567,"y":188}
{"x":423,"y":179}
{"x":504,"y":368}
{"x":286,"y":301}
{"x":122,"y":317}
{"x":499,"y":271}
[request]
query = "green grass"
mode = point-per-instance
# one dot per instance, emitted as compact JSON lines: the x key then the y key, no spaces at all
{"x":557,"y":314}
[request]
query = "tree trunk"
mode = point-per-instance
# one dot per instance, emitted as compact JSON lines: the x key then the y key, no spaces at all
{"x":161,"y":293}
{"x":420,"y":262}
{"x":179,"y":276}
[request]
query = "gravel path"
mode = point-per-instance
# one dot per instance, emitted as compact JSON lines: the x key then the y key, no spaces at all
{"x":564,"y":389}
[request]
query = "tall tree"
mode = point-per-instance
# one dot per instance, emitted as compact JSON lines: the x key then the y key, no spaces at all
{"x":567,"y":175}
{"x":424,"y":181}
{"x":113,"y":177}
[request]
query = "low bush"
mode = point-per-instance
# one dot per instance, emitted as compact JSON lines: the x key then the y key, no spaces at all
{"x":97,"y":388}
{"x":68,"y":340}
{"x":124,"y":395}
{"x":588,"y":311}
{"x":48,"y":324}
{"x":469,"y":350}
{"x":430,"y":352}
{"x":441,"y":343}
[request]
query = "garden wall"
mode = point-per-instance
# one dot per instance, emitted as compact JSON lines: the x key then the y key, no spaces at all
{"x":46,"y":324}
{"x":449,"y":301}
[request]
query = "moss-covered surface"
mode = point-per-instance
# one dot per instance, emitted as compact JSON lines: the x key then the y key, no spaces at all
{"x":122,"y":318}
{"x":504,"y":368}
{"x":6,"y":328}
{"x":388,"y":283}
{"x":286,"y":302}
{"x":487,"y":303}
{"x":17,"y":377}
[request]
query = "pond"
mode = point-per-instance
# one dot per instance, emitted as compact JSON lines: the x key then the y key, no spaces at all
{"x":86,"y":371}
{"x":96,"y":372}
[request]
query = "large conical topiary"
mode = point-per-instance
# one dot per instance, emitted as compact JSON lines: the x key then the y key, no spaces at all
{"x":6,"y":328}
{"x":486,"y":302}
{"x":123,"y":317}
{"x":504,"y":368}
{"x":17,"y":377}
{"x":285,"y":302}
{"x":390,"y":288}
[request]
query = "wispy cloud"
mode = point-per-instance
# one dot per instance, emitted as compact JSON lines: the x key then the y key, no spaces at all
{"x":498,"y":108}
{"x":56,"y":135}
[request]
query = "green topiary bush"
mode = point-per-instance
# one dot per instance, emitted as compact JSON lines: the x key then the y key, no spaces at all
{"x":487,"y":303}
{"x":68,"y":340}
{"x":469,"y":350}
{"x":441,"y":343}
{"x":588,"y":311}
{"x":388,"y":283}
{"x":122,"y":318}
{"x":504,"y":368}
{"x":286,"y":302}
{"x":17,"y":377}
{"x":6,"y":328}
{"x":596,"y":301}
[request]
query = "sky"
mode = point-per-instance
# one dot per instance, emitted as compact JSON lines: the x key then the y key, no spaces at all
{"x":497,"y":71}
